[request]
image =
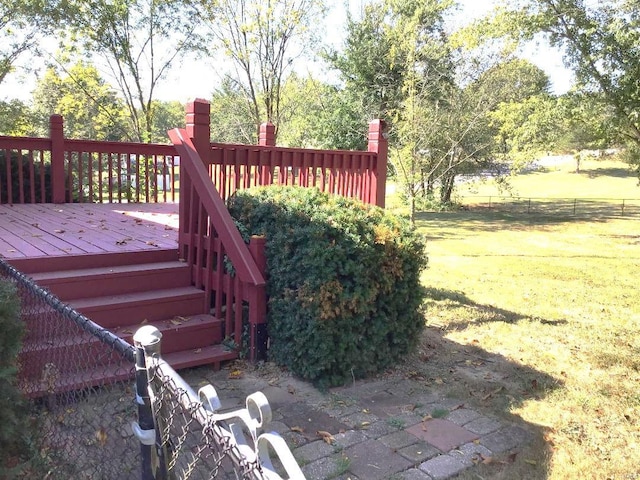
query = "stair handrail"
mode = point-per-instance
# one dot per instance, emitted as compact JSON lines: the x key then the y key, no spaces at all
{"x":235,"y":247}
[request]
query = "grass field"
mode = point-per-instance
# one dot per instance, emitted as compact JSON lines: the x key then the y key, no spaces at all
{"x":537,"y":319}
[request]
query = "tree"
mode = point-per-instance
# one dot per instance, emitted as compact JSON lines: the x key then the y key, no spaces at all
{"x":232,"y":118}
{"x":167,"y":115}
{"x":90,"y":107}
{"x":140,"y":41}
{"x":263,"y":40}
{"x":15,"y":118}
{"x":601,"y":41}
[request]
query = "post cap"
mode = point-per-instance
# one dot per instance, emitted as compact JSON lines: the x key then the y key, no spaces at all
{"x":147,"y":336}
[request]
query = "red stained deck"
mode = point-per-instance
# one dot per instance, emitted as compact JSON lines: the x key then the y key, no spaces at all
{"x":48,"y":230}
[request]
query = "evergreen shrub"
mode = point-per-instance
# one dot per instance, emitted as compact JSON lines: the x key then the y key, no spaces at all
{"x":13,"y":408}
{"x":343,"y":281}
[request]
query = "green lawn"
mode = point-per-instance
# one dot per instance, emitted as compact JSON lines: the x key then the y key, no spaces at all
{"x":536,"y":318}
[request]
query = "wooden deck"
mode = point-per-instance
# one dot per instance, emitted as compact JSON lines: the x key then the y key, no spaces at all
{"x":52,"y":230}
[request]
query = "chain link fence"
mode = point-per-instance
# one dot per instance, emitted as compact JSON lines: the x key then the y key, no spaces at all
{"x":79,"y":377}
{"x":104,"y":409}
{"x":197,"y":439}
{"x":588,"y":207}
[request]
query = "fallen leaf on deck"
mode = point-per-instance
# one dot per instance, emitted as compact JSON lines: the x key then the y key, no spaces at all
{"x":426,"y":417}
{"x":121,"y":242}
{"x":58,"y":231}
{"x":138,"y":220}
{"x":152,"y":243}
{"x":197,"y":350}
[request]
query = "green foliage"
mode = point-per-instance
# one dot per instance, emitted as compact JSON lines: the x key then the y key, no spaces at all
{"x":13,"y":410}
{"x":344,"y":287}
{"x":601,"y":44}
{"x":15,"y":119}
{"x":90,"y":108}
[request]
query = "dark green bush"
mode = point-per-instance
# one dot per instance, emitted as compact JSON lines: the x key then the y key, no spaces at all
{"x":343,"y":281}
{"x":23,"y":164}
{"x":13,"y":409}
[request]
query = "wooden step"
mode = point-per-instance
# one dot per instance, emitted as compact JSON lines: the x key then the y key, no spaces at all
{"x":67,"y":262}
{"x":114,"y":280}
{"x":66,"y":353}
{"x":114,"y":311}
{"x":103,"y":375}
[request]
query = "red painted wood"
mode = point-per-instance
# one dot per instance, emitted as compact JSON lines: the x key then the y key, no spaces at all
{"x":111,"y":280}
{"x":39,"y":230}
{"x":136,"y":308}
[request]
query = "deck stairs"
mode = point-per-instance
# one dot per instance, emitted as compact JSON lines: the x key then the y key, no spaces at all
{"x":120,"y":292}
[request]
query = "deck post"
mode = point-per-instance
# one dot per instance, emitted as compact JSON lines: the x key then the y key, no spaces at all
{"x":379,"y":144}
{"x":258,"y":304}
{"x":197,"y":123}
{"x":198,"y":127}
{"x":267,"y":135}
{"x":56,"y":133}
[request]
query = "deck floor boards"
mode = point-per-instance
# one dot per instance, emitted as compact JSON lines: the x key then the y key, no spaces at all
{"x":44,"y":230}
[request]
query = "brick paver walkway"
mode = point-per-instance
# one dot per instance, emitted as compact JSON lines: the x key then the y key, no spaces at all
{"x":379,"y":430}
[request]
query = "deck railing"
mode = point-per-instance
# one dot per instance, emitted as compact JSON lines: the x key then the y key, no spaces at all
{"x":60,"y":170}
{"x":349,"y":173}
{"x":222,"y":264}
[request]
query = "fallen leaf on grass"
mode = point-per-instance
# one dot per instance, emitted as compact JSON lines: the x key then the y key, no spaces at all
{"x":291,"y":390}
{"x":492,"y":393}
{"x":530,"y":462}
{"x":235,"y":374}
{"x":297,"y":429}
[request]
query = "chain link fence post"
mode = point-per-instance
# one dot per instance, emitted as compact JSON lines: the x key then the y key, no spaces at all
{"x":147,"y":341}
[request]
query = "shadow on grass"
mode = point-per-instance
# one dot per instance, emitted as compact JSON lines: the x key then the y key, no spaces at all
{"x":487,"y":382}
{"x":451,"y":299}
{"x":523,"y":215}
{"x":618,"y":172}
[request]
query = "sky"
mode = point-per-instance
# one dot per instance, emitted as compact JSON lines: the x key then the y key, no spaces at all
{"x":197,"y":78}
